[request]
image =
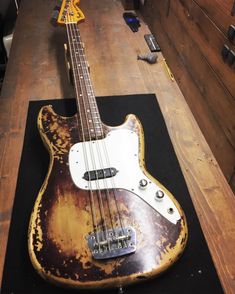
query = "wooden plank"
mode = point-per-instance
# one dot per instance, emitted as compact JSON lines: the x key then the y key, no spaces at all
{"x":210,"y":40}
{"x":215,"y":103}
{"x":219,"y":11}
{"x":197,"y":157}
{"x":220,"y":101}
{"x":111,"y":50}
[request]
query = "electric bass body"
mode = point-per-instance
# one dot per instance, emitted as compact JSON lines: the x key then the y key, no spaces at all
{"x":106,"y":226}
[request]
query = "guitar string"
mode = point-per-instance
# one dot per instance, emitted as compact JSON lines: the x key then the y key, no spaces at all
{"x":92,"y":155}
{"x":92,"y":202}
{"x":113,"y":189}
{"x":105,"y":151}
{"x":96,"y":126}
{"x":113,"y":186}
{"x":90,"y":148}
{"x":97,"y":142}
{"x":98,"y":190}
{"x":104,"y":147}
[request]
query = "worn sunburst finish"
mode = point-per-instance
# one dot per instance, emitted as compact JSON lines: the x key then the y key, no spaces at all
{"x":65,"y":216}
{"x":62,"y":219}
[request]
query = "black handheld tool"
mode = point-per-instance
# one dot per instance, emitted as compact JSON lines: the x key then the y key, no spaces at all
{"x":132,"y":21}
{"x":152,"y":43}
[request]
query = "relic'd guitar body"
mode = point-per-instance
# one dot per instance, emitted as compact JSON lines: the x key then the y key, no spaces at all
{"x":100,"y":219}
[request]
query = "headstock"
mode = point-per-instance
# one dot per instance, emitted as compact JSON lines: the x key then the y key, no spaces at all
{"x":70,"y":12}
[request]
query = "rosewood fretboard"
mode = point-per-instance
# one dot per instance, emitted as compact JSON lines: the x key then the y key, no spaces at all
{"x":88,"y":113}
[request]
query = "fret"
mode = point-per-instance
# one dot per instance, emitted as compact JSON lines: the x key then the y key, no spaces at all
{"x":93,"y":132}
{"x":78,"y":66}
{"x":93,"y":135}
{"x":88,"y":113}
{"x":76,"y":42}
{"x":96,"y":120}
{"x":93,"y":111}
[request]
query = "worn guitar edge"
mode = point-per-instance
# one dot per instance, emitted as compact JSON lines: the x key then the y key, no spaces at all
{"x":133,"y":123}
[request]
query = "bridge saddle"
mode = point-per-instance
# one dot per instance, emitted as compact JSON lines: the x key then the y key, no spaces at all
{"x":112,"y":243}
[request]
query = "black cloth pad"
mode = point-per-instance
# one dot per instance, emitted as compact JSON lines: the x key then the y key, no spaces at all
{"x":193,"y":273}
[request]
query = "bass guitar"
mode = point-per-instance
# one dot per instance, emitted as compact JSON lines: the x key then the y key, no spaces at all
{"x":100,"y":219}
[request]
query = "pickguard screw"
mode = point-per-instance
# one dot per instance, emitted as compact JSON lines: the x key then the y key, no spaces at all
{"x":159,"y":194}
{"x":170,"y":210}
{"x":143,"y":184}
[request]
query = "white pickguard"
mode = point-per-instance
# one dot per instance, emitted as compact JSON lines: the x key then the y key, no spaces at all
{"x":120,"y":150}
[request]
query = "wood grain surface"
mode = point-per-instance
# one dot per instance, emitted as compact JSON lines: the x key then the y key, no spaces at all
{"x":192,"y":42}
{"x":220,"y":12}
{"x":36,"y":70}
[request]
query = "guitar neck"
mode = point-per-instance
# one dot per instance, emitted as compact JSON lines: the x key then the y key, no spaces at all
{"x":88,"y":113}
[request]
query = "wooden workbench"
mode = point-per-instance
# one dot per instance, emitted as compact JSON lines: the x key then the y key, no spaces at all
{"x":36,"y":70}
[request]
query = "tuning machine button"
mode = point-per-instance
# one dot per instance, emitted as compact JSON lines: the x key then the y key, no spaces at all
{"x":159,"y":195}
{"x":143,"y":183}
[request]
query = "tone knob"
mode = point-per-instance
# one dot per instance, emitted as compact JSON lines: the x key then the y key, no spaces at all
{"x":143,"y":183}
{"x":159,"y":195}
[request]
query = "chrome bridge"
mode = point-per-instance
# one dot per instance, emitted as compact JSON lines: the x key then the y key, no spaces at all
{"x":112,"y":243}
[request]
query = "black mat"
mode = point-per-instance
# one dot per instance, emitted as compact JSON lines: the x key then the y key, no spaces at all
{"x":193,"y":273}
